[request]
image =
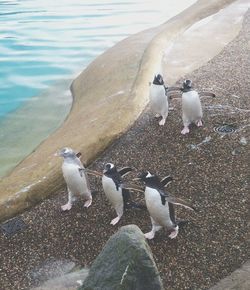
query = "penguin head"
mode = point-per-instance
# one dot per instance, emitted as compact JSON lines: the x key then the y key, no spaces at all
{"x":149,"y":179}
{"x":109,"y":168}
{"x":158,"y":80}
{"x":144,"y":176}
{"x":67,"y":152}
{"x":187,"y":85}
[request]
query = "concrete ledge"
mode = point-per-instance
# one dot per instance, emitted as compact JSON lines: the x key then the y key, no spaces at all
{"x":238,"y":280}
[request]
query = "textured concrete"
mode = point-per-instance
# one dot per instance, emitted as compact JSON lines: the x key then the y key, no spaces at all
{"x":238,"y":280}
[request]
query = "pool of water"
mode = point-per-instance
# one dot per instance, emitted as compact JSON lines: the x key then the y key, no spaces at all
{"x":44,"y":44}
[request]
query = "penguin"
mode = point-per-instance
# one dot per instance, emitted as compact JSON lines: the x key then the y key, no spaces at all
{"x":158,"y":98}
{"x":191,"y":107}
{"x":112,"y":187}
{"x":75,"y":177}
{"x":160,"y":204}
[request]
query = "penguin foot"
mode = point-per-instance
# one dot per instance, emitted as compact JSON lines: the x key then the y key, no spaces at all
{"x":88,"y":203}
{"x":149,"y":235}
{"x":67,"y":206}
{"x":199,"y":123}
{"x":162,"y":122}
{"x":174,"y":233}
{"x":157,"y":115}
{"x":94,"y":193}
{"x":185,"y":130}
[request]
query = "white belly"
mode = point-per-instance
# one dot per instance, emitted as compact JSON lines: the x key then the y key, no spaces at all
{"x":158,"y":211}
{"x":114,"y":196}
{"x":191,"y":106}
{"x":76,"y":183}
{"x":158,"y":99}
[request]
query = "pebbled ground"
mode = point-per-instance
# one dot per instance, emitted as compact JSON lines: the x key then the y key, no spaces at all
{"x":214,"y":175}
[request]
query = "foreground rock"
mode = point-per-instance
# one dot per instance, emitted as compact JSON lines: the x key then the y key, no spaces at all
{"x":126,"y":262}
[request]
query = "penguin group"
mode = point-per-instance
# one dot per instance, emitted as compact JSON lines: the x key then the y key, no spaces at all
{"x":159,"y":203}
{"x":191,"y":104}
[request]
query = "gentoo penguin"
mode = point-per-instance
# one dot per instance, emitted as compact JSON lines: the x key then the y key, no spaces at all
{"x":191,"y":107}
{"x":75,"y":177}
{"x":159,"y":99}
{"x":112,"y":186}
{"x":160,"y":204}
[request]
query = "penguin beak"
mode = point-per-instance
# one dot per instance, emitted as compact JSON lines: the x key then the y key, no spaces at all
{"x":59,"y":153}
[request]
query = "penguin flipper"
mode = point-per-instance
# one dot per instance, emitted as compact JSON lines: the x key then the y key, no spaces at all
{"x":81,"y":171}
{"x":166,"y":180}
{"x":93,"y":172}
{"x":181,"y":202}
{"x":207,"y":94}
{"x":171,"y":89}
{"x":132,"y":187}
{"x":163,"y":199}
{"x":125,"y":170}
{"x":172,"y":213}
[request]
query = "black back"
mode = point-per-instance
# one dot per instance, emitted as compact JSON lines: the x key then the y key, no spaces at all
{"x":112,"y":173}
{"x":153,"y":181}
{"x":172,"y":213}
{"x":126,"y":197}
{"x":116,"y":176}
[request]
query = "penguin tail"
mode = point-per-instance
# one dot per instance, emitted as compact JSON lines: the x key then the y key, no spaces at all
{"x":135,"y":205}
{"x":181,"y":223}
{"x":94,"y":193}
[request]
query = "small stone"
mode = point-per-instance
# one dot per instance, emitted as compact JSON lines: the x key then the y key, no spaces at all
{"x":236,"y":151}
{"x":243,"y":141}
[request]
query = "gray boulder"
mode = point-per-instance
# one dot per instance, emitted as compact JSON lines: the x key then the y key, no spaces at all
{"x":125,"y":263}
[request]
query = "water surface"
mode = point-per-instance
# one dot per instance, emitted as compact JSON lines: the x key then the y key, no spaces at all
{"x":43,"y":46}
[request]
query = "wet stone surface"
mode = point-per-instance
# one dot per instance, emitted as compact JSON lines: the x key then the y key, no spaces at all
{"x":12,"y":226}
{"x":225,"y":129}
{"x":214,"y":243}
